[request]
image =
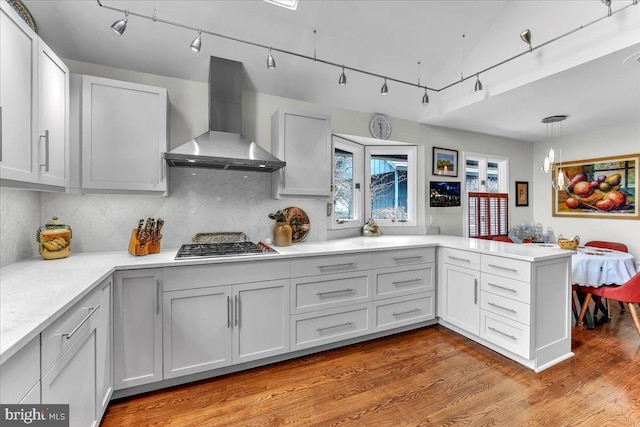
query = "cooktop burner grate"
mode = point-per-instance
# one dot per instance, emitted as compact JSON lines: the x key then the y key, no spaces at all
{"x":214,"y":250}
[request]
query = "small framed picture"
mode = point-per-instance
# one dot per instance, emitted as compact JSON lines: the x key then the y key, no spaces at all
{"x":445,"y":162}
{"x":443,"y":194}
{"x":522,"y":193}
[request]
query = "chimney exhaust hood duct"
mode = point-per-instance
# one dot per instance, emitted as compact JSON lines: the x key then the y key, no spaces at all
{"x":224,"y":147}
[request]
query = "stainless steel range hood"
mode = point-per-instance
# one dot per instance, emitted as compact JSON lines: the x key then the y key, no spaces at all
{"x":224,"y":147}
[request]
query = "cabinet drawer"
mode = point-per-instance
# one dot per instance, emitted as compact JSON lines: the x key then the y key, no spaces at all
{"x":506,"y":267}
{"x":506,"y":307}
{"x":327,"y":326}
{"x":508,"y":334}
{"x":329,"y":290}
{"x":20,"y":373}
{"x":204,"y":276}
{"x":313,"y":266}
{"x":510,"y":288}
{"x":65,"y":331}
{"x":396,"y":312}
{"x":398,"y":281}
{"x":403,"y":257}
{"x":461,"y":258}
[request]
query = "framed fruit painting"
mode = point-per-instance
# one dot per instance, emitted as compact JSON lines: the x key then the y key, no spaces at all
{"x":598,"y":188}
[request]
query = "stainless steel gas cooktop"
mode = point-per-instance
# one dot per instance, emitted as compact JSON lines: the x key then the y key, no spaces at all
{"x":215,"y":250}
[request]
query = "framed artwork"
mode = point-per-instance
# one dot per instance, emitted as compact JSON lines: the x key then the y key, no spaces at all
{"x":522,"y":193}
{"x":445,"y":162}
{"x":444,"y":194}
{"x":597,"y":188}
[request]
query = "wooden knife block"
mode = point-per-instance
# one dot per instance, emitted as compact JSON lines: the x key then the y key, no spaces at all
{"x":136,"y":249}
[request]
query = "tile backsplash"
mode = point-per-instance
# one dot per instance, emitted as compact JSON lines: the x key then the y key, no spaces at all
{"x":19,"y":220}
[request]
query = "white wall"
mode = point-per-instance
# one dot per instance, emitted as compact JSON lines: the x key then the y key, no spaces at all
{"x":227,"y":201}
{"x":603,"y":143}
{"x":19,"y":221}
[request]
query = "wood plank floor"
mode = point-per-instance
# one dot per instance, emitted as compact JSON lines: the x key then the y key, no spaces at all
{"x":428,"y":377}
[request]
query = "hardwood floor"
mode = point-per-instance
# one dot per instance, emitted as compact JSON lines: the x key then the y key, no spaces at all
{"x":428,"y":377}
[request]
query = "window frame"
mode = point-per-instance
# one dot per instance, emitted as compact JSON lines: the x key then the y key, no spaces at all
{"x":411,"y":151}
{"x":358,"y":177}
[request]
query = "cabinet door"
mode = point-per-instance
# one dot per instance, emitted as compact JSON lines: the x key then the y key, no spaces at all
{"x":104,"y":349}
{"x":53,"y":124}
{"x":301,"y":138}
{"x":124,"y":133}
{"x":197,"y":330}
{"x":459,"y":300}
{"x":72,"y":380}
{"x":18,"y":59}
{"x":137,"y":328}
{"x":261,"y":320}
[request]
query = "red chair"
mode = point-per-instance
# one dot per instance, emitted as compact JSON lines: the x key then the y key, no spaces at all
{"x":502,"y":239}
{"x":608,"y":245}
{"x":628,"y":292}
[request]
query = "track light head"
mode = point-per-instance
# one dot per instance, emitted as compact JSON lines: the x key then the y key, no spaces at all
{"x":271,"y":63}
{"x":342,"y":81}
{"x":425,"y":97}
{"x":526,"y":37}
{"x":121,"y":24}
{"x":196,"y":44}
{"x":385,"y":89}
{"x":478,"y":86}
{"x":608,"y":4}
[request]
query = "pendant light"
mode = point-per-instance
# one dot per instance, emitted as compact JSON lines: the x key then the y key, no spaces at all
{"x":526,"y":37}
{"x":560,"y":181}
{"x":121,"y":24}
{"x":478,"y":85}
{"x":385,"y":89}
{"x":196,"y":44}
{"x":271,"y":63}
{"x":342,"y":81}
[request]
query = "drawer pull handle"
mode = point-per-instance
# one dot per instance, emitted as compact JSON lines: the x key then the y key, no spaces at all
{"x":502,"y":287}
{"x":347,"y":264}
{"x":503,"y":333}
{"x":405,"y":312}
{"x":475,"y":291}
{"x":91,"y":311}
{"x":404,"y":282}
{"x":334,"y":326}
{"x":504,"y":308}
{"x":320,"y":294}
{"x":515,"y":270}
{"x":458,"y":259}
{"x":407,"y":258}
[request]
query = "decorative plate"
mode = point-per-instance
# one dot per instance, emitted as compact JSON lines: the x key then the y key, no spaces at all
{"x":299,"y":222}
{"x":24,"y":13}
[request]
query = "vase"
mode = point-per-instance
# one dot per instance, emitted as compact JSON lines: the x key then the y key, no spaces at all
{"x":282,"y":234}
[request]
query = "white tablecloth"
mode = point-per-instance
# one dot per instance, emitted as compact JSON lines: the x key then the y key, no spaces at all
{"x":595,"y":267}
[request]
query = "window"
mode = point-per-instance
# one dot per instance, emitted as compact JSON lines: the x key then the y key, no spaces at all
{"x":347,"y":181}
{"x":373,"y":182}
{"x":391,"y":185}
{"x":486,"y":186}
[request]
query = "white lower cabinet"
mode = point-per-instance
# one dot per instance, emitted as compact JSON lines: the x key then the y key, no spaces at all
{"x":395,"y":312}
{"x":137,"y":323}
{"x":327,"y":326}
{"x":20,"y":375}
{"x":76,"y":366}
{"x":459,"y":297}
{"x":211,"y":327}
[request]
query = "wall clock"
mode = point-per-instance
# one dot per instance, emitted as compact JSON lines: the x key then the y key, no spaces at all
{"x":379,"y":127}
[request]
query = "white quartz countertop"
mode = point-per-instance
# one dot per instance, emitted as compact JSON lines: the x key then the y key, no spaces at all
{"x":35,"y":292}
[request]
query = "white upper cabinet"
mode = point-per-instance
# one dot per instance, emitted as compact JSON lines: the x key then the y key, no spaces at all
{"x":34,"y":97}
{"x":303,"y":140}
{"x":124,"y":133}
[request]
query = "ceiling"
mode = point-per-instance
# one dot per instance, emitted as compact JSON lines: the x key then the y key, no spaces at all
{"x":582,"y":75}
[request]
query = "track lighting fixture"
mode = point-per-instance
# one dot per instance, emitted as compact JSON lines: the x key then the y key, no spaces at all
{"x":196,"y":44}
{"x":526,"y":37}
{"x":121,"y":24}
{"x":271,"y":63}
{"x":478,"y":86}
{"x":342,"y":81}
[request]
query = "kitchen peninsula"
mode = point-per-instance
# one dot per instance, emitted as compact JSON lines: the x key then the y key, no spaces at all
{"x":513,"y":299}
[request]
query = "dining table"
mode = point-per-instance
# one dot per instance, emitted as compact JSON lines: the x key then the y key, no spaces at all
{"x":594,"y":267}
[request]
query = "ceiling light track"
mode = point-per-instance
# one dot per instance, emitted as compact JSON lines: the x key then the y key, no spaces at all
{"x":530,"y":49}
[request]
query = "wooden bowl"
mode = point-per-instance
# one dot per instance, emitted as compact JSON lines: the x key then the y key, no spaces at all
{"x":571,"y":244}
